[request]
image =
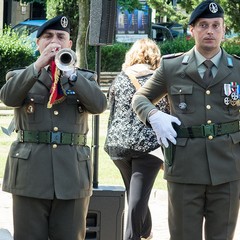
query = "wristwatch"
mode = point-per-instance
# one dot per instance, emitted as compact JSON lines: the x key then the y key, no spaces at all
{"x":72,"y":78}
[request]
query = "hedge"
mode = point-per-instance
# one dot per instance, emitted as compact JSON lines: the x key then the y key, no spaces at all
{"x":112,"y":56}
{"x":15,"y":53}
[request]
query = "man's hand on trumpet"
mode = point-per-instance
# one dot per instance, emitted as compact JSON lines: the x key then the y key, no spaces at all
{"x":46,"y":56}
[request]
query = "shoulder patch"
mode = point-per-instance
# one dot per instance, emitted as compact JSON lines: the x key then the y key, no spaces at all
{"x":173,"y":55}
{"x":236,"y":56}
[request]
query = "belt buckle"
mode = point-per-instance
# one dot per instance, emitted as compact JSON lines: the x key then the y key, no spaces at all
{"x":208,"y":130}
{"x":56,"y":137}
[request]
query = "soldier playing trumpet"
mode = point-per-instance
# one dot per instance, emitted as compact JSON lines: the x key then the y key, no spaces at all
{"x":49,"y":170}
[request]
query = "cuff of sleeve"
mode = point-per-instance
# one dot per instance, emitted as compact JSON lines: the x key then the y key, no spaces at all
{"x":36,"y":74}
{"x":152,"y":112}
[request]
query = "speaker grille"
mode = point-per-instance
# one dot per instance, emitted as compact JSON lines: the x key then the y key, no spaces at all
{"x":102,"y":22}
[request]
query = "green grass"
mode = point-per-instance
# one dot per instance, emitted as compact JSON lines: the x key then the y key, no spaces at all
{"x":108,"y":173}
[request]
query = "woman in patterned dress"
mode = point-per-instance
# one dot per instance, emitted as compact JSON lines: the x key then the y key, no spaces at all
{"x":129,"y":142}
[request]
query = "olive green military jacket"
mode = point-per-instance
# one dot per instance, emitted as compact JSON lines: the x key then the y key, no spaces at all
{"x":46,"y":170}
{"x":196,"y":160}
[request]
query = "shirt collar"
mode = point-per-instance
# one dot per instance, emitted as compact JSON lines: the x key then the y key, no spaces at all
{"x":200,"y":58}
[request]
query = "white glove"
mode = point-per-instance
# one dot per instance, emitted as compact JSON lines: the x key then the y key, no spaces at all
{"x":69,"y":72}
{"x":162,"y":125}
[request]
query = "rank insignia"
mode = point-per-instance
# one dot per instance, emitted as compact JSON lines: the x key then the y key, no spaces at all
{"x":70,"y":92}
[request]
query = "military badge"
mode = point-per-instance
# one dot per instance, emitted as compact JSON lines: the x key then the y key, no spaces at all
{"x":30,"y":108}
{"x":232,"y":93}
{"x":70,"y":92}
{"x":227,"y":101}
{"x":182,"y":105}
{"x":233,"y":102}
{"x":213,"y":7}
{"x":64,"y":22}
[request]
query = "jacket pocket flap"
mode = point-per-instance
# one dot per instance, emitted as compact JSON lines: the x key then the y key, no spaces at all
{"x":181,"y":142}
{"x":22,"y":153}
{"x":35,"y":99}
{"x":235,"y":137}
{"x":83,"y":153}
{"x":72,"y":100}
{"x":180,"y":89}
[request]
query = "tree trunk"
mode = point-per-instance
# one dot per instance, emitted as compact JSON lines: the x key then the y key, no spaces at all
{"x":82,"y":38}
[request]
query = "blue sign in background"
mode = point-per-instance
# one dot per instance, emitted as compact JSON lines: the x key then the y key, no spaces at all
{"x":136,"y":22}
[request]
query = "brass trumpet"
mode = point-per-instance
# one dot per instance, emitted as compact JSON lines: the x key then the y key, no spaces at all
{"x":66,"y":59}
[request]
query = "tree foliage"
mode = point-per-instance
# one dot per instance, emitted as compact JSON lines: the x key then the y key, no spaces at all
{"x":129,"y":5}
{"x":232,"y":11}
{"x":163,"y":7}
{"x":32,"y":1}
{"x":185,"y":7}
{"x":78,"y":12}
{"x":56,"y":7}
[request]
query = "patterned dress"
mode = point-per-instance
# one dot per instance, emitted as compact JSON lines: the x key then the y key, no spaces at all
{"x":126,"y":134}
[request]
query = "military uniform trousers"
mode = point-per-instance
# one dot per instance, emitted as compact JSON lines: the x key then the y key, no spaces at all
{"x":190,"y":204}
{"x":42,"y":219}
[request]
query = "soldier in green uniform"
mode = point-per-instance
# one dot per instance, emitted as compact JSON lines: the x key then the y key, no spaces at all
{"x":201,"y":137}
{"x":49,"y":170}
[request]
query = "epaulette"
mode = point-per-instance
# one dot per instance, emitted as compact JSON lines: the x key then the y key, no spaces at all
{"x":86,"y":70}
{"x":173,"y":55}
{"x":16,"y":69}
{"x":11,"y":72}
{"x":236,"y":56}
{"x":89,"y":74}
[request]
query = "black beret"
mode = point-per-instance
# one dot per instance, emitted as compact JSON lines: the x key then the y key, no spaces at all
{"x":206,"y":9}
{"x":58,"y":23}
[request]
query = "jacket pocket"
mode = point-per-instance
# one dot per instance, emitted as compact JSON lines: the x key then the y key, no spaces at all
{"x":34,"y":108}
{"x":182,"y":98}
{"x":75,"y":110}
{"x":18,"y":156}
{"x":84,"y":167}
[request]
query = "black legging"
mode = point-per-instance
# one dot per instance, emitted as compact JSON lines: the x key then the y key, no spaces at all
{"x":139,"y":173}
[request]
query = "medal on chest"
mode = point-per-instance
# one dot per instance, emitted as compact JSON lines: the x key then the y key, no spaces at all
{"x":231,"y":92}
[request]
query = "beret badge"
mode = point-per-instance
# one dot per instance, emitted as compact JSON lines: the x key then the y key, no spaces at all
{"x":64,"y":22}
{"x":213,"y":7}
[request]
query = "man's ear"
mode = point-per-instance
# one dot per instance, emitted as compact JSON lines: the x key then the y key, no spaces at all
{"x":191,"y":30}
{"x":70,"y":43}
{"x":37,"y":41}
{"x":224,"y":32}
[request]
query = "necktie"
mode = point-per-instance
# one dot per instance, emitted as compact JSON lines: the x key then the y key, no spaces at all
{"x":208,"y":77}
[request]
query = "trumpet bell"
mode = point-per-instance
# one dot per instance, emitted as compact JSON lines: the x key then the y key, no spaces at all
{"x":66,"y":59}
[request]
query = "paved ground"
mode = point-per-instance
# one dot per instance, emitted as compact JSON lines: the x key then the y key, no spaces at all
{"x":158,"y":205}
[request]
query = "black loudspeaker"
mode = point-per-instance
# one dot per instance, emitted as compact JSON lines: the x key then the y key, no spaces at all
{"x":105,"y":218}
{"x":102,"y":22}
